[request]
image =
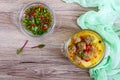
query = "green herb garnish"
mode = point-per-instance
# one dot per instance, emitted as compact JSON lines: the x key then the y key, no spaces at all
{"x":21,"y":49}
{"x":81,"y":54}
{"x":39,"y":46}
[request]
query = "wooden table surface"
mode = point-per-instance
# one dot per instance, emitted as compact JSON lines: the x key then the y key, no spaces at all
{"x":47,"y":63}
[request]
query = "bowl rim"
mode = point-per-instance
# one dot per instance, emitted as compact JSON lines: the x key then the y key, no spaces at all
{"x":29,"y":34}
{"x":66,"y":49}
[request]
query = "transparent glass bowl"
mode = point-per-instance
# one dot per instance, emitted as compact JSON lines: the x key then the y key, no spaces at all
{"x":28,"y":33}
{"x":64,"y":49}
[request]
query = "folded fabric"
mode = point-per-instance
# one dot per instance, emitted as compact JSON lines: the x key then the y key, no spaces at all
{"x":102,"y":21}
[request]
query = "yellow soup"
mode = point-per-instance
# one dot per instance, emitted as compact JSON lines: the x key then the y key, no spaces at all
{"x":85,"y":49}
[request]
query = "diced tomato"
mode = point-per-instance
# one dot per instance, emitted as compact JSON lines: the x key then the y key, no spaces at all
{"x":82,"y":58}
{"x":44,"y":28}
{"x":41,"y":6}
{"x":82,"y":38}
{"x":87,"y":51}
{"x":87,"y":60}
{"x":87,"y":44}
{"x":34,"y":14}
{"x":88,"y":48}
{"x":32,"y":25}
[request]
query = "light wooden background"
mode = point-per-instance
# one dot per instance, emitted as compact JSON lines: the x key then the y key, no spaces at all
{"x":38,"y":64}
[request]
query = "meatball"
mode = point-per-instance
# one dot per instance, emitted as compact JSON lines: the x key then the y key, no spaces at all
{"x":81,"y":46}
{"x":77,"y":59}
{"x":88,"y":39}
{"x":76,"y":40}
{"x":72,"y":49}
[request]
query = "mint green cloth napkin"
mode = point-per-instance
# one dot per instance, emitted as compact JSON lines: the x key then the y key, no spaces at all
{"x":102,"y":21}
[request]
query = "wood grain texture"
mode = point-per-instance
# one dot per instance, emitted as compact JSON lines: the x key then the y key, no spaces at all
{"x":38,"y":64}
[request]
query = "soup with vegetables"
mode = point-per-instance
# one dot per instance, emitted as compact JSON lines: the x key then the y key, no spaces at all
{"x":85,"y":49}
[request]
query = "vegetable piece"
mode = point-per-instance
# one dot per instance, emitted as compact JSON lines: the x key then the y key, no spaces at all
{"x":81,"y":55}
{"x":21,"y":49}
{"x":89,"y":49}
{"x":44,"y":28}
{"x":82,"y":38}
{"x":39,"y":46}
{"x":84,"y":56}
{"x":34,"y":14}
{"x":41,"y":6}
{"x":32,"y":25}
